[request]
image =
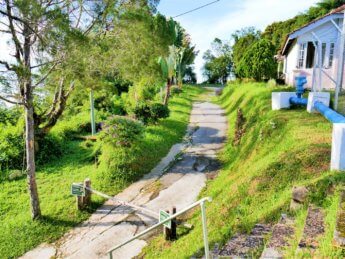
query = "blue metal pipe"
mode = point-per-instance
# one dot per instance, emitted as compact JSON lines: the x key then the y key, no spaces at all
{"x":299,"y":101}
{"x":329,"y":114}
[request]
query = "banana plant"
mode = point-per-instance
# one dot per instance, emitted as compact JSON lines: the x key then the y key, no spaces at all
{"x":168,"y":67}
{"x":185,"y":57}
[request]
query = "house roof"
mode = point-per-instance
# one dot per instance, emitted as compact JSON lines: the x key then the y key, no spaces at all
{"x":335,"y":13}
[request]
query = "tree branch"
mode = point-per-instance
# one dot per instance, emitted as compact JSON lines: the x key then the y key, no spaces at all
{"x":46,"y":75}
{"x":10,"y":101}
{"x":19,"y":49}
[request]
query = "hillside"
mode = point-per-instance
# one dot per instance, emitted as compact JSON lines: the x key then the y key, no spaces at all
{"x":279,"y":150}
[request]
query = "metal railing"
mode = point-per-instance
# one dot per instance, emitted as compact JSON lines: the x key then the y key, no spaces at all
{"x":121,"y":202}
{"x":204,"y":226}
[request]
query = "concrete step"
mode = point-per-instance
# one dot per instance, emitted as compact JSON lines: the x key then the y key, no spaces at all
{"x":313,"y":229}
{"x":282,"y":232}
{"x":244,"y":245}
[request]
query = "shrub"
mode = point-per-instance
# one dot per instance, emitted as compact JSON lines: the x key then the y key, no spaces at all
{"x":12,"y":146}
{"x":159,"y":111}
{"x":121,"y":131}
{"x":176,"y":90}
{"x":151,"y":113}
{"x":118,"y":107}
{"x":142,"y":112}
{"x":116,"y":164}
{"x":271,"y":83}
{"x":49,"y":148}
{"x":117,"y":150}
{"x":68,"y":127}
{"x":144,"y":90}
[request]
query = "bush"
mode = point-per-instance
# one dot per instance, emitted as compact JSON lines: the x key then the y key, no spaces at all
{"x":121,"y":131}
{"x":49,"y":148}
{"x":271,"y":83}
{"x":142,"y":112}
{"x":176,"y":90}
{"x":159,"y":111}
{"x":12,"y":146}
{"x":151,"y":113}
{"x":118,"y":107}
{"x":68,"y":127}
{"x":117,"y":150}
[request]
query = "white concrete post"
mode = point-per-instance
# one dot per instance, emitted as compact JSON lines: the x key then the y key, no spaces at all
{"x":281,"y":100}
{"x":340,"y":72}
{"x":323,"y":97}
{"x":338,"y":147}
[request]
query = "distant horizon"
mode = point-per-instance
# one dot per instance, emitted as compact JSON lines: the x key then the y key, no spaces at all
{"x":223,"y":18}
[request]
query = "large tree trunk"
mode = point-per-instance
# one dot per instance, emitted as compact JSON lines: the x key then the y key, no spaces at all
{"x":167,"y":94}
{"x":30,"y":161}
{"x":30,"y":127}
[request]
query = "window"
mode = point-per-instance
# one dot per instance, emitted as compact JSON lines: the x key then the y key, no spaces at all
{"x":331,"y":54}
{"x":310,"y":55}
{"x":323,"y":54}
{"x":301,"y":55}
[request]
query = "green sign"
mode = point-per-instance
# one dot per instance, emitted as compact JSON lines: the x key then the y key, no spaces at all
{"x":164,"y":215}
{"x":77,"y":189}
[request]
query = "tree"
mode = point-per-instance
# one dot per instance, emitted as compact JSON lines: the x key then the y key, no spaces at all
{"x":243,"y":39}
{"x":218,"y":62}
{"x":43,"y":36}
{"x":258,"y":61}
{"x":186,"y":57}
{"x":168,"y":66}
{"x":190,"y":75}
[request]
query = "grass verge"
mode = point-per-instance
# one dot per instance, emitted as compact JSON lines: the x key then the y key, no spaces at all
{"x":20,"y":234}
{"x":279,"y":150}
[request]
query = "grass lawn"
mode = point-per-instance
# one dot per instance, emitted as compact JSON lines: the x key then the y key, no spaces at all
{"x":279,"y":150}
{"x":20,"y":234}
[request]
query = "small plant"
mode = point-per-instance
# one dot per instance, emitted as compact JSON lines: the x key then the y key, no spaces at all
{"x":121,"y":131}
{"x":271,"y":83}
{"x":176,"y":90}
{"x":151,"y":113}
{"x":159,"y":111}
{"x":142,"y":112}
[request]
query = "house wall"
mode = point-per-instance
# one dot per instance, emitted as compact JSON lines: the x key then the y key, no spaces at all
{"x":327,"y":33}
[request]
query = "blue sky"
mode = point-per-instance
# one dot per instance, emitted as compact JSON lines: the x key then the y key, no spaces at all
{"x":226,"y":16}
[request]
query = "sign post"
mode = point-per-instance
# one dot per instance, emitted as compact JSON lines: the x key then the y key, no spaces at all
{"x":77,"y":189}
{"x":164,"y":215}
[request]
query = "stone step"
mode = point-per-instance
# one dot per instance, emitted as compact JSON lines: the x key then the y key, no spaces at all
{"x":313,"y":228}
{"x":244,"y":245}
{"x":282,"y":232}
{"x":339,"y":233}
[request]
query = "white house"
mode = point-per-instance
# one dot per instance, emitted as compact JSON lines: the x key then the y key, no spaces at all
{"x":314,"y":50}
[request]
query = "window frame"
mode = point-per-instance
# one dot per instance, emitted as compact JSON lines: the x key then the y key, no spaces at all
{"x":301,"y":59}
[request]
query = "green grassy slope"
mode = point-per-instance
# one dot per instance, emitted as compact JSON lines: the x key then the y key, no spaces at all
{"x":279,"y":149}
{"x":19,"y":234}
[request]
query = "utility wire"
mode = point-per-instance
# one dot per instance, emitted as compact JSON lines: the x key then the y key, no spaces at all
{"x":195,"y":9}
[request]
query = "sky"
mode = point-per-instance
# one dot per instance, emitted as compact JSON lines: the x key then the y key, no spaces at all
{"x":226,"y":16}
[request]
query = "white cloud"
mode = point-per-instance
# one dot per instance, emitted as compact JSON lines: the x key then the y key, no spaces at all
{"x":258,"y":13}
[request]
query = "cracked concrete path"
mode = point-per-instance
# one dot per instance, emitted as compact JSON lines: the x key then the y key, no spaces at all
{"x":178,"y":186}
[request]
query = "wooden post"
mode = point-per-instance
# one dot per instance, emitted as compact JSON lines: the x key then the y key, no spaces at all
{"x":87,"y":197}
{"x":173,"y":225}
{"x":167,"y":231}
{"x":84,"y":201}
{"x":80,"y":203}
